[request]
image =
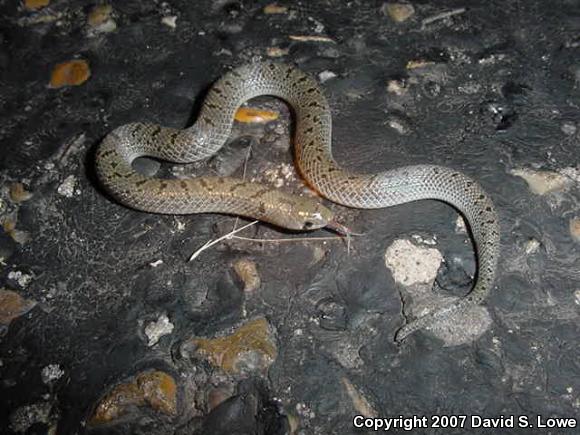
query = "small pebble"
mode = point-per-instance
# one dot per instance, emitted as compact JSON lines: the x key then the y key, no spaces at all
{"x":250,"y":348}
{"x":276,"y":51}
{"x":67,"y":187}
{"x":542,"y":182}
{"x":155,"y":330}
{"x":399,"y":124}
{"x":577,"y":297}
{"x":571,"y":173}
{"x":19,"y":236}
{"x":421,"y":240}
{"x":156,"y":389}
{"x":51,"y":373}
{"x":575,"y":229}
{"x":273,"y":8}
{"x":411,"y":264}
{"x":12,"y":305}
{"x":397,"y":87}
{"x":568,"y":128}
{"x":170,"y":21}
{"x":326,"y":75}
{"x":18,"y":193}
{"x":71,"y":73}
{"x":248,"y":272}
{"x":100,"y":19}
{"x":398,"y":12}
{"x":460,"y":226}
{"x":23,"y":279}
{"x":532,"y":246}
{"x":33,"y":5}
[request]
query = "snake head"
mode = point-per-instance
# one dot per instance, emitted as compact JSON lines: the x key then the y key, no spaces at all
{"x":312,"y":216}
{"x":295,"y":212}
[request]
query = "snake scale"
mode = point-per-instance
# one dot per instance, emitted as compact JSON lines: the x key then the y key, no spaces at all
{"x":314,"y":158}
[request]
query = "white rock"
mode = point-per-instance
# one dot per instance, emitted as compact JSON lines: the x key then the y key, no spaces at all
{"x":568,"y":128}
{"x":542,"y":182}
{"x":397,"y":87}
{"x":155,"y":330}
{"x":22,"y":279}
{"x":411,"y":264}
{"x":532,"y":246}
{"x":67,"y":187}
{"x":51,"y":372}
{"x":170,"y":21}
{"x":572,"y":173}
{"x":326,"y":75}
{"x":398,"y":12}
{"x":460,"y":226}
{"x":420,"y":240}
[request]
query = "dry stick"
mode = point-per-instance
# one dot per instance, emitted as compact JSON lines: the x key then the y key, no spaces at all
{"x":231,"y":235}
{"x":219,"y":239}
{"x":441,"y":16}
{"x":244,"y":177}
{"x":296,"y":239}
{"x":311,"y":38}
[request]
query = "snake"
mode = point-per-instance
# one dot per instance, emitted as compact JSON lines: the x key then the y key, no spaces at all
{"x":116,"y":153}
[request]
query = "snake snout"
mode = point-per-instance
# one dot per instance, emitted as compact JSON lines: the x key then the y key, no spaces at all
{"x":339,"y":228}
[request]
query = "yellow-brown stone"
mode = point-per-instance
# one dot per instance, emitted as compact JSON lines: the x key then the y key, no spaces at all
{"x":72,"y":73}
{"x":273,"y":8}
{"x":399,"y":12}
{"x":249,"y":115}
{"x":277,"y":51}
{"x":159,"y":390}
{"x":100,"y":19}
{"x":156,"y":389}
{"x":99,"y":15}
{"x":117,"y":403}
{"x":18,"y":193}
{"x":575,"y":229}
{"x":12,"y":305}
{"x":247,"y":271}
{"x":9,"y":226}
{"x":231,"y":352}
{"x":33,"y":5}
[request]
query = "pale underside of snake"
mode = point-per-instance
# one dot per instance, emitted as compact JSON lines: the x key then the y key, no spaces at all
{"x":313,"y":154}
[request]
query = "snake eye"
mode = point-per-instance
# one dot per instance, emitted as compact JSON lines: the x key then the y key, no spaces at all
{"x":308,"y":225}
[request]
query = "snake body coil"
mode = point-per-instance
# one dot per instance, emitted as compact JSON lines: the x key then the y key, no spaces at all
{"x":314,"y":158}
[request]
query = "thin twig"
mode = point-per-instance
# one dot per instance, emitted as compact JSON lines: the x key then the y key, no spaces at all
{"x":310,"y":38}
{"x":441,"y":16}
{"x":348,"y":238}
{"x":216,"y":241}
{"x":244,"y":177}
{"x":297,"y":239}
